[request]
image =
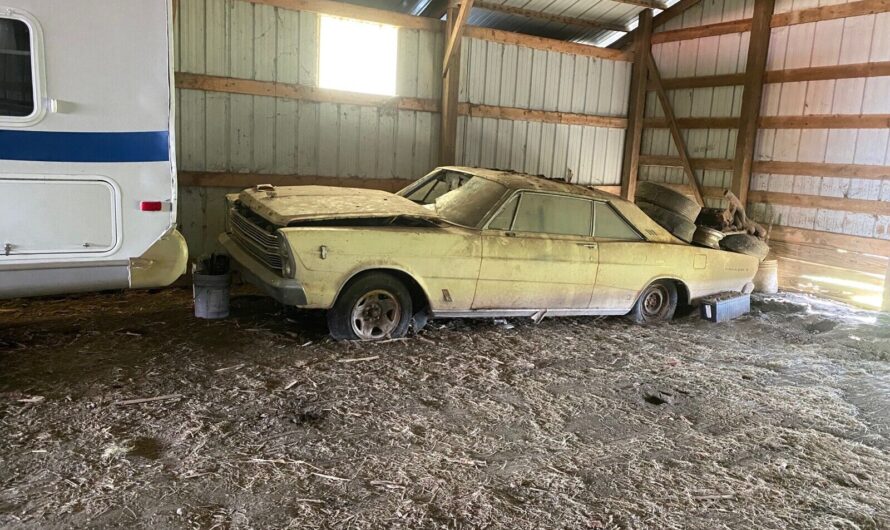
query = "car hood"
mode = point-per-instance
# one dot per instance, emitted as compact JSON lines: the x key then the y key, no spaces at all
{"x":283,"y":205}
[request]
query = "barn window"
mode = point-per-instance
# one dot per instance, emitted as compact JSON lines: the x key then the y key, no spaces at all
{"x":357,"y":56}
{"x":16,"y":75}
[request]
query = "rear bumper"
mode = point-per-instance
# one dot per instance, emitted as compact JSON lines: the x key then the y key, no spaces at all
{"x":162,"y":264}
{"x":286,"y":290}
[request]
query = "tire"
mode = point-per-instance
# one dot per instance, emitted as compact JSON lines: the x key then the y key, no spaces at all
{"x":745,"y":244}
{"x":372,"y":306}
{"x":657,"y":303}
{"x":668,"y":199}
{"x":707,"y":237}
{"x":674,"y":223}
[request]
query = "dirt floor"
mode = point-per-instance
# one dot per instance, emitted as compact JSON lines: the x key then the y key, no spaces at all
{"x":777,"y":420}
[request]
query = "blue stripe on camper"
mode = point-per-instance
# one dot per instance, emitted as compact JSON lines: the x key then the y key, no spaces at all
{"x":40,"y":146}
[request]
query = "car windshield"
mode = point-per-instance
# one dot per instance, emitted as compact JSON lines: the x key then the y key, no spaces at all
{"x":458,"y":197}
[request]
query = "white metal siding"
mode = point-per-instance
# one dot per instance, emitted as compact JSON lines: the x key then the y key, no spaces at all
{"x":508,"y":75}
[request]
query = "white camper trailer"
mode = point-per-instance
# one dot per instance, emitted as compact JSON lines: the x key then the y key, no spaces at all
{"x":87,"y":165}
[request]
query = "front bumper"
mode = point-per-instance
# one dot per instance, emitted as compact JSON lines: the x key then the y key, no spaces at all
{"x":286,"y":290}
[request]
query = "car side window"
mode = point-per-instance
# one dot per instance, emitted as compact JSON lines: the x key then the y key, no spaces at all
{"x":437,"y":186}
{"x":610,"y":225}
{"x":553,"y":214}
{"x":504,"y":218}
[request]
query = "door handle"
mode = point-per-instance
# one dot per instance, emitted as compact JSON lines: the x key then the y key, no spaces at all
{"x":588,"y":245}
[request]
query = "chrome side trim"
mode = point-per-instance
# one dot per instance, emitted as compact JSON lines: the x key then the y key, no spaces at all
{"x":530,"y":313}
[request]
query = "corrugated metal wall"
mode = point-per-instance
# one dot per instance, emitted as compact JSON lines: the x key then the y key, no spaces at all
{"x":724,"y":54}
{"x":508,"y":75}
{"x":850,"y":40}
{"x":254,"y":134}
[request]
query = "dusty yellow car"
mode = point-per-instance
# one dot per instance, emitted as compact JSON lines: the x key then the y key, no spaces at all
{"x":467,"y":242}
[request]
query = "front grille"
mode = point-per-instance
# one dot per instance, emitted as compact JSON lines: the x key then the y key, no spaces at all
{"x":256,"y":240}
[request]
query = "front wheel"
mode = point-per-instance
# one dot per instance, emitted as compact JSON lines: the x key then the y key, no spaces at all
{"x":657,"y":303}
{"x":372,"y":307}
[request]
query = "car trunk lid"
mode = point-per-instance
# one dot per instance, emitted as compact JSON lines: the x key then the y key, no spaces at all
{"x":284,"y":205}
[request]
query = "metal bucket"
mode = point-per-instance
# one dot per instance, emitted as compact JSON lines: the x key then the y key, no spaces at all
{"x":210,"y":287}
{"x":767,"y":278}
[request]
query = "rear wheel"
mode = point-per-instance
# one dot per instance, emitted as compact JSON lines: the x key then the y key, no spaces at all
{"x":657,"y":303}
{"x":372,"y":307}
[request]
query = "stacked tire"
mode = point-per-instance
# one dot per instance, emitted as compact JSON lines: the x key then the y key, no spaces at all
{"x":674,"y":211}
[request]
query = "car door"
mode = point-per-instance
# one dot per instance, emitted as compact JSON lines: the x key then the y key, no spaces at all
{"x":538,"y":253}
{"x":626,"y":261}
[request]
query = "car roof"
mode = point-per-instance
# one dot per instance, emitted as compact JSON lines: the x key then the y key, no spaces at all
{"x":523,"y":181}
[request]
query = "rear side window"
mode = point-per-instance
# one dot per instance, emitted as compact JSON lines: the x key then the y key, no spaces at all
{"x":610,"y":225}
{"x":553,"y":214}
{"x":16,"y":75}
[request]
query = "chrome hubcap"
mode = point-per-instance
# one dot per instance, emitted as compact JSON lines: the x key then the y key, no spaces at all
{"x":375,"y":315}
{"x":655,"y":300}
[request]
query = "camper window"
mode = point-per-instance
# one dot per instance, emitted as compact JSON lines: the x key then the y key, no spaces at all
{"x":357,"y":56}
{"x":16,"y":77}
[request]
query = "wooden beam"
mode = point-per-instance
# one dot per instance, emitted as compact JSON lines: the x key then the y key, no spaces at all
{"x":566,"y":118}
{"x":299,"y":92}
{"x":758,"y":47}
{"x":675,"y":130}
{"x":636,"y":107}
{"x":859,"y":171}
{"x":818,"y":73}
{"x":541,"y":43}
{"x":802,"y":236}
{"x":213,"y":179}
{"x":697,"y":163}
{"x":246,"y":180}
{"x":813,"y":73}
{"x":450,"y":86}
{"x":830,"y":12}
{"x":822,"y":203}
{"x":559,"y":19}
{"x":342,"y":9}
{"x":705,"y":81}
{"x":668,"y":14}
{"x":706,"y":30}
{"x":827,"y":121}
{"x":455,"y":30}
{"x":720,"y":122}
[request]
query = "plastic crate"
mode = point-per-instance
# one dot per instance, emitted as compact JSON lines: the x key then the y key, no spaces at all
{"x":725,"y":306}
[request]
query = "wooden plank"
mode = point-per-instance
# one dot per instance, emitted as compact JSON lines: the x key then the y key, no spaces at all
{"x":818,"y":201}
{"x":697,"y":163}
{"x":541,"y":43}
{"x":830,"y":12}
{"x":299,"y":92}
{"x":706,"y":30}
{"x":860,"y":171}
{"x":703,"y":81}
{"x":342,"y":9}
{"x":455,"y":31}
{"x":630,"y":165}
{"x":841,"y":71}
{"x":566,"y":118}
{"x":844,"y":285}
{"x":547,"y":17}
{"x":204,"y":179}
{"x":721,"y":122}
{"x":758,"y":47}
{"x":827,"y":121}
{"x":885,"y":305}
{"x":675,"y":130}
{"x":450,"y":88}
{"x":802,"y":236}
